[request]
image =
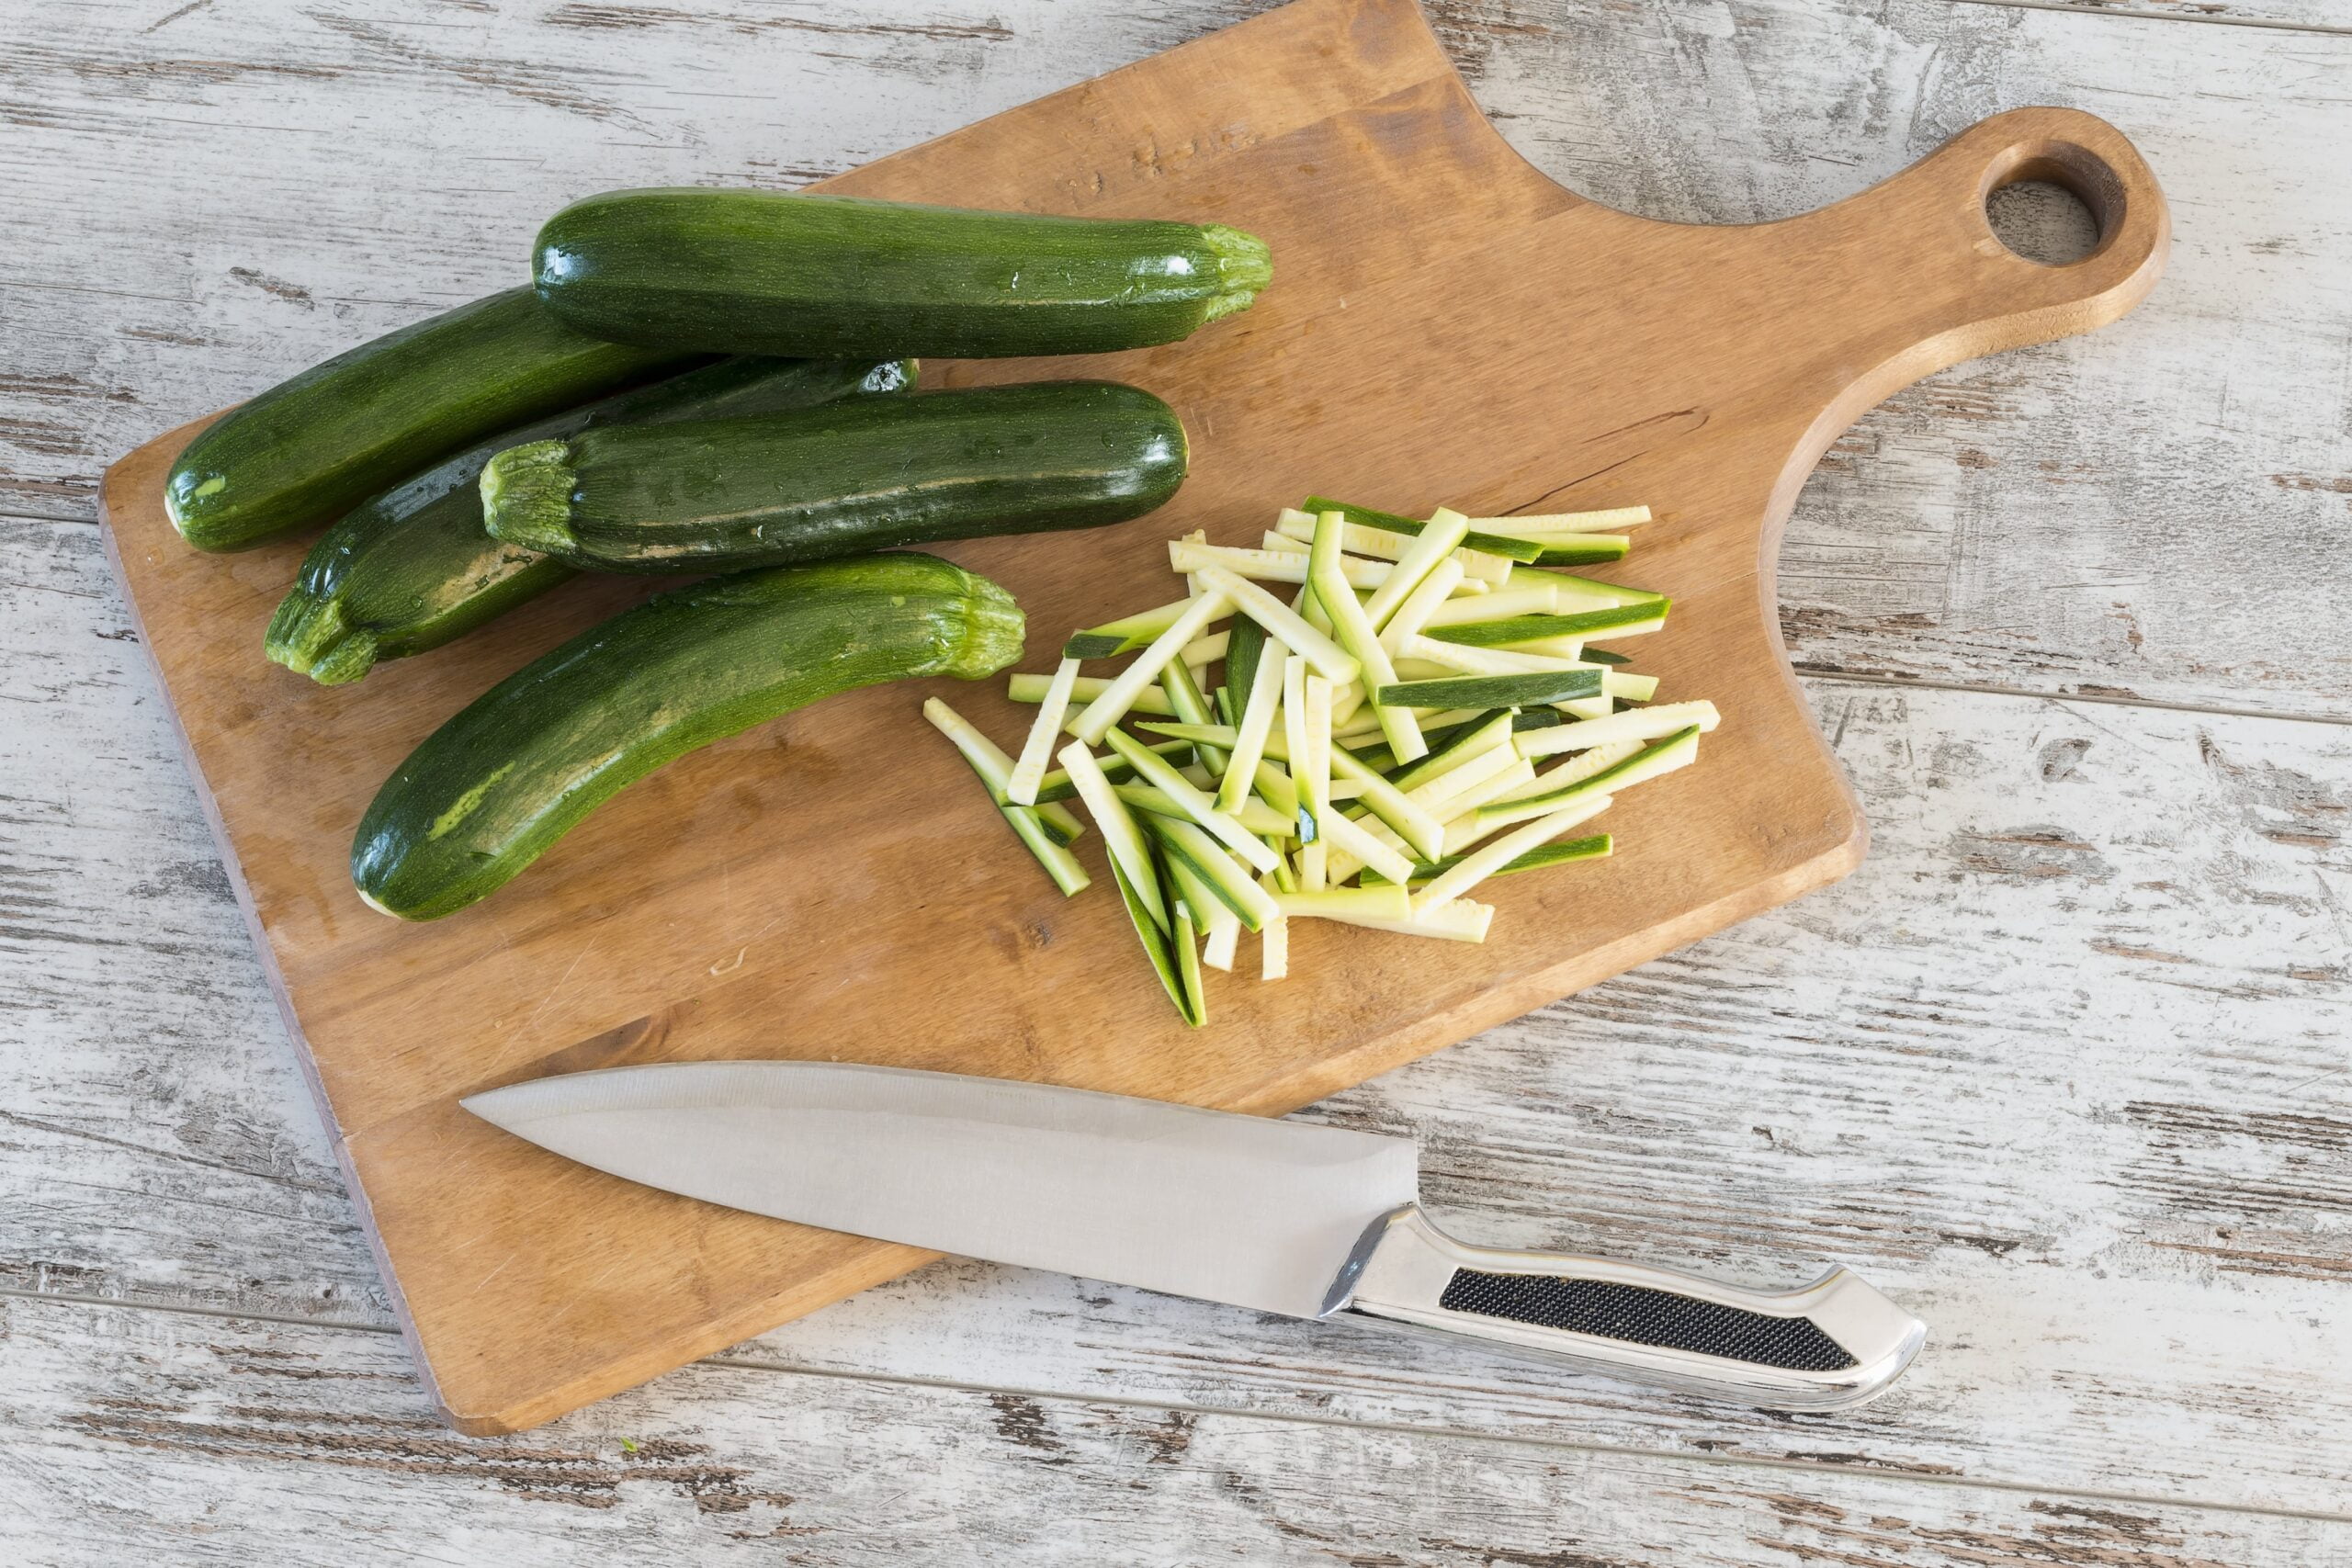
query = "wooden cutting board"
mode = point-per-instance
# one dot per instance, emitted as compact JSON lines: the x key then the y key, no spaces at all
{"x":1446,"y":325}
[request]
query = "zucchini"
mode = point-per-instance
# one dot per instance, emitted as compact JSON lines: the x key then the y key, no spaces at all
{"x":492,"y":788}
{"x":768,"y":272}
{"x":317,"y":445}
{"x":412,"y":567}
{"x":842,"y":479}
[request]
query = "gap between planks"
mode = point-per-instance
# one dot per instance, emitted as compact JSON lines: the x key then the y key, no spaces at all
{"x":2274,"y":24}
{"x":1892,"y":1476}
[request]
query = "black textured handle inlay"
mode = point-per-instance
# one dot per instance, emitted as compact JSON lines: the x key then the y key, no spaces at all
{"x":1641,"y":1316}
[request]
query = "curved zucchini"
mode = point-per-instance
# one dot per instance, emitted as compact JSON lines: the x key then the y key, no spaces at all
{"x":841,"y":480}
{"x":770,"y":272}
{"x":494,"y":787}
{"x":321,"y":442}
{"x":412,"y":567}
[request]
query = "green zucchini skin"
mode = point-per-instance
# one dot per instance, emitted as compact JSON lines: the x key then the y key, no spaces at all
{"x":319,"y":443}
{"x":412,"y":567}
{"x":772,"y":272}
{"x":492,"y":788}
{"x":722,"y":495}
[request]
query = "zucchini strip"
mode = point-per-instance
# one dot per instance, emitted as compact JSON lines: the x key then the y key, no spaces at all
{"x":996,"y":771}
{"x":1641,"y":724}
{"x":1388,"y":902}
{"x":1451,"y":748}
{"x":1422,"y":832}
{"x":1255,"y":814}
{"x":1390,"y":523}
{"x":1269,"y":566}
{"x":1224,"y":925}
{"x":1154,"y":770}
{"x":1122,"y":840}
{"x":1057,"y":787}
{"x":1433,"y":544}
{"x":1419,"y":605}
{"x":1204,"y":650}
{"x":1583,"y":549}
{"x":1570,"y":592}
{"x":1273,"y":950}
{"x":1574,"y":771}
{"x":1039,"y":750}
{"x":1258,"y":707}
{"x":1496,"y":691}
{"x":1677,"y":750}
{"x":1450,"y":798}
{"x":1598,"y":847}
{"x":1501,"y":606}
{"x":1464,"y":919}
{"x":1344,"y":834}
{"x":1356,"y":635}
{"x":1314,"y":800}
{"x":1283,"y":623}
{"x":1154,"y":940}
{"x":1293,"y":525}
{"x":1191,"y":849}
{"x":1605,"y":522}
{"x":1485,"y":661}
{"x":1627,"y":688}
{"x":1188,"y":967}
{"x":1483,"y":862}
{"x":1246,"y":645}
{"x":1621,"y":620}
{"x":1275,"y":788}
{"x":1027,"y":823}
{"x":1183,"y":689}
{"x":1126,"y":635}
{"x":1129,"y":686}
{"x":1084,"y":689}
{"x":1437,"y":796}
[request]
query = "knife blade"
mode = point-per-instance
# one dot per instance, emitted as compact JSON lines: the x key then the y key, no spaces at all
{"x":1279,"y":1216}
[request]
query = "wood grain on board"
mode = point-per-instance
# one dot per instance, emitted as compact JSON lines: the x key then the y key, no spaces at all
{"x":780,"y":895}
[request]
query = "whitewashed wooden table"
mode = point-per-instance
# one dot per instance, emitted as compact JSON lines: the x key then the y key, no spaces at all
{"x":2067,"y":1064}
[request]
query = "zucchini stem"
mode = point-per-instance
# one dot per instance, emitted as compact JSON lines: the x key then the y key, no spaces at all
{"x":526,"y":496}
{"x":1244,"y":266}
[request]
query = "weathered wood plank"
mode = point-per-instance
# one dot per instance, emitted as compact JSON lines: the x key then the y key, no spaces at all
{"x":2313,"y":16}
{"x":130,"y":1436}
{"x":2065,"y":1063}
{"x":2147,"y":513}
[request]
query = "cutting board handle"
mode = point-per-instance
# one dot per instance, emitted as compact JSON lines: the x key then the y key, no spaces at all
{"x":1969,"y":294}
{"x":1907,"y":278}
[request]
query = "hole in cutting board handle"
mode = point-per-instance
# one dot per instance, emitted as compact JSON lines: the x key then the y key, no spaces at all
{"x":2052,"y":203}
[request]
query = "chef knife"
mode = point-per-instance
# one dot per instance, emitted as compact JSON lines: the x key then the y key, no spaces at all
{"x":1281,"y":1216}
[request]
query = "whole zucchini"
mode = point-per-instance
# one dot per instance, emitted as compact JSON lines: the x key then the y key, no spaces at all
{"x":412,"y":567}
{"x":841,"y":480}
{"x":769,"y":272}
{"x":319,"y":444}
{"x":489,"y":790}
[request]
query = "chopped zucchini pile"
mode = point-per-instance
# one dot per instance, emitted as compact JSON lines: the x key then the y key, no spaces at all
{"x":1405,"y":709}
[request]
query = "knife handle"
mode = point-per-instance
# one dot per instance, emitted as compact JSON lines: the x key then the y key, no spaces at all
{"x":1834,"y":1342}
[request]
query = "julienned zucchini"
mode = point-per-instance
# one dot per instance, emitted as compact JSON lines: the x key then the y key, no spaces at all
{"x":842,"y":479}
{"x":494,"y":787}
{"x":413,"y":568}
{"x":768,"y":272}
{"x":315,"y":447}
